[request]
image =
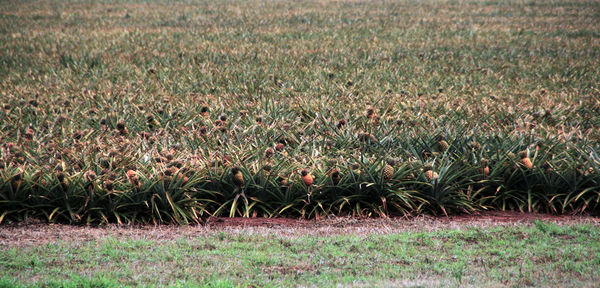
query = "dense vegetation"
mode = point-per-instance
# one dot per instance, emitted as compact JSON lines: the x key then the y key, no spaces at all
{"x":168,"y":112}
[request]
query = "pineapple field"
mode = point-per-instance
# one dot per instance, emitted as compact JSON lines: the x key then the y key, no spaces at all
{"x":161,"y":112}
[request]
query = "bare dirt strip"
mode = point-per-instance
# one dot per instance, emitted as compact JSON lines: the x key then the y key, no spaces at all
{"x":14,"y":235}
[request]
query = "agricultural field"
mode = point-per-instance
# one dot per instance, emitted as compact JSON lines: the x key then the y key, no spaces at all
{"x":160,"y":112}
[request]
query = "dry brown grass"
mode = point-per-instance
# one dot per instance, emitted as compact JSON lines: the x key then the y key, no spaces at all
{"x":39,"y":234}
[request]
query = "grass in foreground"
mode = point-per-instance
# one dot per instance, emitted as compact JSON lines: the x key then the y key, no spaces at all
{"x":542,"y":255}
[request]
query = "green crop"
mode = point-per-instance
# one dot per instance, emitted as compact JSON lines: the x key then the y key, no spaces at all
{"x":137,"y":111}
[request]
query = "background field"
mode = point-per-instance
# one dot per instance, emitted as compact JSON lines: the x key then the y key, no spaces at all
{"x":111,"y":108}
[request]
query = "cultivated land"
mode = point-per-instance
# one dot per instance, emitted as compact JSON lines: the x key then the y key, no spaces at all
{"x":491,"y":250}
{"x":140,"y":111}
{"x":158,"y":112}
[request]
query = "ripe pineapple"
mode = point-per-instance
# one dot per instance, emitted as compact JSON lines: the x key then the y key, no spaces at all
{"x":237,"y":177}
{"x":108,"y":184}
{"x":306,"y":177}
{"x":171,"y":171}
{"x":370,"y":113}
{"x":132,"y":177}
{"x":356,"y":168}
{"x":279,"y":147}
{"x":204,"y":110}
{"x":283,"y":181}
{"x":525,"y":161}
{"x":269,"y":152}
{"x":429,"y":173}
{"x":485,"y":169}
{"x":308,"y":181}
{"x":582,"y":171}
{"x":588,"y":171}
